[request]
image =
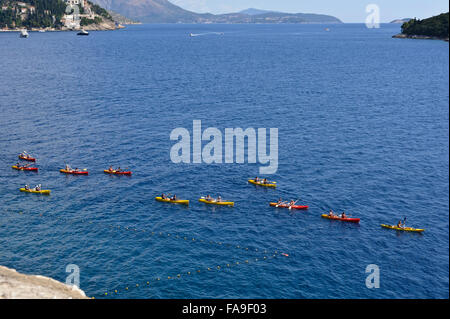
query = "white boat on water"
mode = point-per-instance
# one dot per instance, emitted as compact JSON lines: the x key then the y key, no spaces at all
{"x":24,"y":34}
{"x":83,"y":32}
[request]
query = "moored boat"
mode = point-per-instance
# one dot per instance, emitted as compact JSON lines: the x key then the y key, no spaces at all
{"x":83,"y":32}
{"x":23,"y":34}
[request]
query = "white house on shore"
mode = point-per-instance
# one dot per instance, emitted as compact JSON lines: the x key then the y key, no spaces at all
{"x":81,"y":3}
{"x":72,"y":20}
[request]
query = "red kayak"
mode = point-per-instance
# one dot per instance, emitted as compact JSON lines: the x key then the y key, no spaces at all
{"x":287,"y":206}
{"x":24,"y":168}
{"x":74,"y":172}
{"x":346,"y":219}
{"x":27,"y":158}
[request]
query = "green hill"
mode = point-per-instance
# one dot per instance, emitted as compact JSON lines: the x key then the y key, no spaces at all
{"x":436,"y":26}
{"x":31,"y":13}
{"x":52,"y":15}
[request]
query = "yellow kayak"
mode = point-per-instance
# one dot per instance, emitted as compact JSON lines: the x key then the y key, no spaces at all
{"x":168,"y":200}
{"x":268,"y":184}
{"x":403,"y":228}
{"x":44,"y":191}
{"x":214,"y":202}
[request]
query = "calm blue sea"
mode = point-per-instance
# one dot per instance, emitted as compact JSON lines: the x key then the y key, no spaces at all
{"x":363,"y":125}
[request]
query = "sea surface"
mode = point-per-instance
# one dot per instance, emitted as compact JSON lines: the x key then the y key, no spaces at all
{"x":363,"y":124}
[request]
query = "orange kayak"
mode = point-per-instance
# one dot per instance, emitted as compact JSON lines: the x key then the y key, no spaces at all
{"x":73,"y":172}
{"x":27,"y":158}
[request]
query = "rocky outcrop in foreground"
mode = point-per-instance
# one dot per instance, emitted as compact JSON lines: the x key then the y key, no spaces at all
{"x":14,"y":285}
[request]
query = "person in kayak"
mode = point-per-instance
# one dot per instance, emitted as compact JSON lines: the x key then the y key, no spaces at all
{"x":264,"y":181}
{"x":110,"y":168}
{"x":163,"y":196}
{"x":331,"y":214}
{"x":208,"y":198}
{"x":27,"y":187}
{"x":67,"y":168}
{"x":38,"y":187}
{"x":400,"y":224}
{"x":256,"y":179}
{"x":219,"y":199}
{"x":174,"y":197}
{"x":118,"y":169}
{"x":18,"y":165}
{"x":280,"y":201}
{"x":291,"y":203}
{"x":343,"y":215}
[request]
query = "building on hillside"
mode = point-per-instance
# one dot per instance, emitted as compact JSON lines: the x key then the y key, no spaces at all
{"x":71,"y":21}
{"x":81,"y":3}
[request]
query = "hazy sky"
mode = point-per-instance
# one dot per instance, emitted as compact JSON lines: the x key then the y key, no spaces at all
{"x":346,"y":10}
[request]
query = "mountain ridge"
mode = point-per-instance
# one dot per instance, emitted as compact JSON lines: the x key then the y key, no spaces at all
{"x":253,"y":11}
{"x":163,"y":11}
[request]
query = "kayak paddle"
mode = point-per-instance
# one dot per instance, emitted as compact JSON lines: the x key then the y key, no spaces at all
{"x":290,"y":206}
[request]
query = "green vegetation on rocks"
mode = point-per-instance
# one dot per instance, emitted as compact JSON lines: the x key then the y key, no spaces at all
{"x":42,"y":16}
{"x":52,"y":15}
{"x":436,"y":26}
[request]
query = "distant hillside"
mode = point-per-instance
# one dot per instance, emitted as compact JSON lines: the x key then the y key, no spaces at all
{"x":400,"y":20}
{"x":150,"y":11}
{"x":163,"y":11}
{"x":434,"y":27}
{"x":121,"y":19}
{"x":280,"y":17}
{"x":253,"y":11}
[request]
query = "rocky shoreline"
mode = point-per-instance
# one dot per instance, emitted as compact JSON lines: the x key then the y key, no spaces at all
{"x":423,"y":37}
{"x":14,"y":285}
{"x":106,"y":26}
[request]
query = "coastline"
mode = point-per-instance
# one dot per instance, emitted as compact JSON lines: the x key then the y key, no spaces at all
{"x":15,"y":285}
{"x":91,"y":27}
{"x":420,"y":37}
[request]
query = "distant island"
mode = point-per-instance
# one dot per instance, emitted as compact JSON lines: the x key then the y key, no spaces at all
{"x":163,"y":11}
{"x":401,"y":20}
{"x":54,"y":15}
{"x":432,"y":28}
